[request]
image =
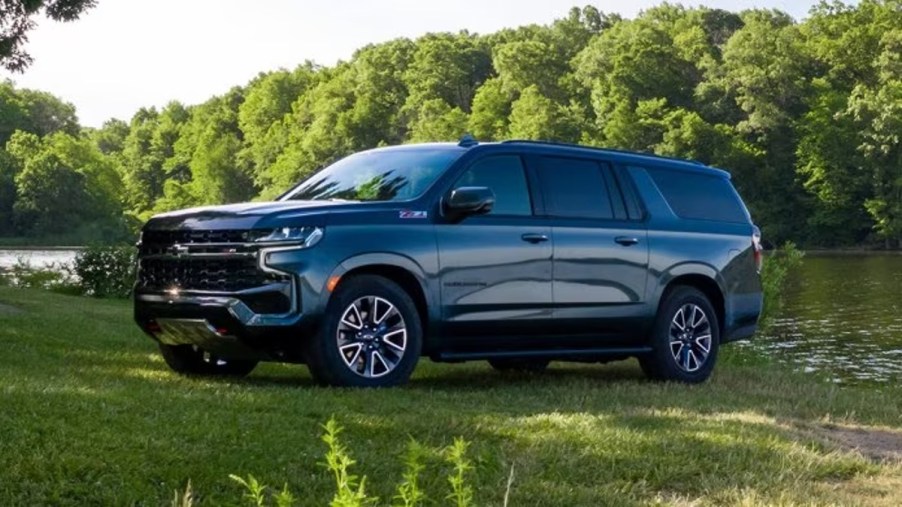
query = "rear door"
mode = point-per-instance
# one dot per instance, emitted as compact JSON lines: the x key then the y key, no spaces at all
{"x":600,"y":256}
{"x":496,"y":268}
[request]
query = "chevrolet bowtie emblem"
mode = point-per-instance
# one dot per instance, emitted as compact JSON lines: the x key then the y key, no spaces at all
{"x":179,"y":250}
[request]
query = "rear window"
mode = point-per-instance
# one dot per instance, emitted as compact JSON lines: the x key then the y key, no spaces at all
{"x":699,"y":196}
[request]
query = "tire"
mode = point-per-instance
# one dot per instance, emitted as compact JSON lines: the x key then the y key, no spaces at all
{"x":371,"y":335}
{"x":520,"y":364}
{"x":679,"y":355}
{"x":190,"y":360}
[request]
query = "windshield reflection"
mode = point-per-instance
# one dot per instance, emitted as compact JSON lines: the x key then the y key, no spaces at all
{"x":378,"y":175}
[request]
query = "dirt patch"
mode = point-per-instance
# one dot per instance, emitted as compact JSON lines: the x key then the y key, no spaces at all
{"x":877,"y":444}
{"x":8,"y":310}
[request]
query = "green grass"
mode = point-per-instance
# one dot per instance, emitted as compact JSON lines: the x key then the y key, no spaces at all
{"x":89,"y":414}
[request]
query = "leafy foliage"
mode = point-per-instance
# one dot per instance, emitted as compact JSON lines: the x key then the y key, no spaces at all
{"x":23,"y":275}
{"x":350,"y":489}
{"x":805,"y":115}
{"x":776,"y":268}
{"x":17,"y":19}
{"x":105,"y":272}
{"x":99,"y":271}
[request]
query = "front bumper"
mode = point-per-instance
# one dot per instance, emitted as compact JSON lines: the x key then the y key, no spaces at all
{"x":220,"y":294}
{"x":234,"y":304}
{"x":222,"y":325}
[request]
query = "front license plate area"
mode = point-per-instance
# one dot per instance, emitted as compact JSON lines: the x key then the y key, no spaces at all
{"x":188,"y":332}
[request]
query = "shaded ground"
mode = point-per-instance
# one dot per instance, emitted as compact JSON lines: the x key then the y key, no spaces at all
{"x":91,"y":415}
{"x":877,"y":444}
{"x":6,"y":309}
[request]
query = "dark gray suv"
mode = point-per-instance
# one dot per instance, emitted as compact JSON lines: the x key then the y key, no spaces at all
{"x":518,"y":253}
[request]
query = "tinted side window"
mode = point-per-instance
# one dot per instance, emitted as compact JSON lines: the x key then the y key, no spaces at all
{"x":574,"y":188}
{"x":503,"y":174}
{"x":699,"y":196}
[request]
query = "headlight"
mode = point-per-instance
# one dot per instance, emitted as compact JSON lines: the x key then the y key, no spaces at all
{"x":303,"y":236}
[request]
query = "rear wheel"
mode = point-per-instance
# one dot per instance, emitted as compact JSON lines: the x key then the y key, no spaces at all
{"x":371,"y":335}
{"x":685,"y":338}
{"x":520,"y":364}
{"x":191,"y":360}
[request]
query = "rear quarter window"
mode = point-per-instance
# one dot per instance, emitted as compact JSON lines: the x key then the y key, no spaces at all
{"x":698,"y":196}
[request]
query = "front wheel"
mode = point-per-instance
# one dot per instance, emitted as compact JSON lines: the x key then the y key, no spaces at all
{"x":371,"y":335}
{"x":685,"y":338}
{"x":191,"y":360}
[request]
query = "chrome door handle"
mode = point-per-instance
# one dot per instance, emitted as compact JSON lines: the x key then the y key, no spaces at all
{"x":534,"y":238}
{"x":626,"y":240}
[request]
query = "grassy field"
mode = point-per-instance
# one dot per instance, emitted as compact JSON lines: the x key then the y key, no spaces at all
{"x":89,"y":414}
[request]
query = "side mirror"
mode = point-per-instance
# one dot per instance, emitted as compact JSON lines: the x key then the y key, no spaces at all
{"x":470,"y":201}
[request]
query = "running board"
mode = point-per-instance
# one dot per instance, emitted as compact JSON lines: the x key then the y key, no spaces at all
{"x":559,"y":354}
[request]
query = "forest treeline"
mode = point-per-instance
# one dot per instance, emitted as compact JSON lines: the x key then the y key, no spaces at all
{"x":807,"y":116}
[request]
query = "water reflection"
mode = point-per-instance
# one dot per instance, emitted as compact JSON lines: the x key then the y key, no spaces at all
{"x":843,"y":318}
{"x":37,"y":258}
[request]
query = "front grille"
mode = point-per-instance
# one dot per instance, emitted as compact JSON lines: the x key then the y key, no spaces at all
{"x":225,"y":275}
{"x":198,"y":236}
{"x":217,"y":261}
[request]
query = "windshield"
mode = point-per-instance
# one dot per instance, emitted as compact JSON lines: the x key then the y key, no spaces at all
{"x":379,"y":175}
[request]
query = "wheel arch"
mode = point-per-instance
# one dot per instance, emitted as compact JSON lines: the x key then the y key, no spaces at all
{"x":402,"y":271}
{"x":703,"y":278}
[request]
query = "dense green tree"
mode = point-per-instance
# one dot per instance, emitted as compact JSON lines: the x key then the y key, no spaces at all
{"x":449,"y":67}
{"x":832,"y":170}
{"x":633,"y":62}
{"x":491,"y":111}
{"x":211,"y":142}
{"x":33,"y":111}
{"x":878,"y":110}
{"x":262,"y":115}
{"x":111,"y":137}
{"x":64,"y":182}
{"x":535,"y":116}
{"x":804,"y":115}
{"x":8,"y":170}
{"x":438,"y":121}
{"x":148,"y":156}
{"x":142,"y":169}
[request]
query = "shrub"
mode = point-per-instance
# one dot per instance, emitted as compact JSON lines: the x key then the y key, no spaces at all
{"x":777,"y":266}
{"x":53,"y":276}
{"x":105,"y":271}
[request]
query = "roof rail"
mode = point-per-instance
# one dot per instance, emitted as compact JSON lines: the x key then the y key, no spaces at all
{"x":595,"y":148}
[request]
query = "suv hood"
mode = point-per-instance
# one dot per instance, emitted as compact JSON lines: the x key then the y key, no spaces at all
{"x":248,"y":215}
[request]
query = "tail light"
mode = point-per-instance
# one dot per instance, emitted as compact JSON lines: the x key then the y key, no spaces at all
{"x":757,"y":249}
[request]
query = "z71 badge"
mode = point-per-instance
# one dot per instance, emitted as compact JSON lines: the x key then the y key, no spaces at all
{"x":413,"y":214}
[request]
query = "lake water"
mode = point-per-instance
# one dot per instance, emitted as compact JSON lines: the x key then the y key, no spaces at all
{"x":843,"y":314}
{"x":8,"y":257}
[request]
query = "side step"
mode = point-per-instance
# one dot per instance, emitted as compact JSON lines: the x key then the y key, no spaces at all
{"x":591,"y":354}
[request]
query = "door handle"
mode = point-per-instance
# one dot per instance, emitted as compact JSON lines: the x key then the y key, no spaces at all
{"x":534,"y":238}
{"x":626,"y":240}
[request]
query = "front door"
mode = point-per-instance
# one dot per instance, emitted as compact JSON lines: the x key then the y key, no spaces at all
{"x":600,"y":252}
{"x":496,"y":268}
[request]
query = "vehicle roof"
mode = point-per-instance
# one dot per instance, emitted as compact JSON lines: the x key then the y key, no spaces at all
{"x":615,"y":155}
{"x":621,"y":156}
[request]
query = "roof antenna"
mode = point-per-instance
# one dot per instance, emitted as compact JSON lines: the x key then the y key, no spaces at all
{"x":467,"y":141}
